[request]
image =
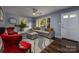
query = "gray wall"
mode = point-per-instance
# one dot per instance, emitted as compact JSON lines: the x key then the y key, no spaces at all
{"x":54,"y":22}
{"x":17,"y":20}
{"x":56,"y":19}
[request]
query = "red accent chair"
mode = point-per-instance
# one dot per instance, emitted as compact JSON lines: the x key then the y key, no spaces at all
{"x":12,"y":41}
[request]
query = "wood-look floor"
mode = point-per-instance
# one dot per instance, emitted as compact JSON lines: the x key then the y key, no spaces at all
{"x":62,"y":46}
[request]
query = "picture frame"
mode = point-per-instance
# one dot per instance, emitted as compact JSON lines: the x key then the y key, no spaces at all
{"x":12,"y":20}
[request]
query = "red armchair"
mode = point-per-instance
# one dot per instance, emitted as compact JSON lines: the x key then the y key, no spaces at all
{"x":12,"y":41}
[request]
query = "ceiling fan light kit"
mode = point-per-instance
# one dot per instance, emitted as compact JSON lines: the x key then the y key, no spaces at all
{"x":36,"y":12}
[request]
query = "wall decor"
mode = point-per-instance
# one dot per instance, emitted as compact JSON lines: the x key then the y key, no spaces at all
{"x":42,"y":22}
{"x":12,"y":20}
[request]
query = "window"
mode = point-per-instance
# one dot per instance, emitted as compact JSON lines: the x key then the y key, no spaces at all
{"x":65,"y":16}
{"x":41,"y":22}
{"x":72,"y":15}
{"x":1,"y":14}
{"x":23,"y":19}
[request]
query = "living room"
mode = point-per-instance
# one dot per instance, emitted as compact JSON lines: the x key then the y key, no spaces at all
{"x":39,"y":26}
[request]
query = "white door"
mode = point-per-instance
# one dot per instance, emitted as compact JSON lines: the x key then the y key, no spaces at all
{"x":70,"y":26}
{"x":73,"y":26}
{"x":64,"y":25}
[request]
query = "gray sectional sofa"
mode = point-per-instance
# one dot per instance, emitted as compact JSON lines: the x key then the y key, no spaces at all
{"x":45,"y":33}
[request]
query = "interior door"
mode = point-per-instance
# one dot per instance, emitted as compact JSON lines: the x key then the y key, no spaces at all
{"x":64,"y":25}
{"x":70,"y":26}
{"x":73,"y":26}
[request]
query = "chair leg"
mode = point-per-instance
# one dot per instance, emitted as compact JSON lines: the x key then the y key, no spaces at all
{"x":30,"y":50}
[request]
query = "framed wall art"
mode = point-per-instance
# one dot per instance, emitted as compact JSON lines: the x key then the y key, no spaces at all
{"x":12,"y":20}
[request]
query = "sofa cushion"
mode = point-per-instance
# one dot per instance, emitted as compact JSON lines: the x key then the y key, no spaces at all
{"x":25,"y":45}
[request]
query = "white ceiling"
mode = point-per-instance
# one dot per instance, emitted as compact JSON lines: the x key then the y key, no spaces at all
{"x":27,"y":10}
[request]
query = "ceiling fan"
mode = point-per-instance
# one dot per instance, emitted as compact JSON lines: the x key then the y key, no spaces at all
{"x":36,"y":12}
